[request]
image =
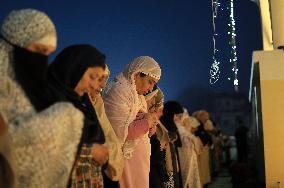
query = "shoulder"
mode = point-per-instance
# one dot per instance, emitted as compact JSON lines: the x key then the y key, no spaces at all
{"x":116,"y":90}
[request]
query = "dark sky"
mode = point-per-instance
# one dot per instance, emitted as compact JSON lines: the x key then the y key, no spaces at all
{"x":178,"y":34}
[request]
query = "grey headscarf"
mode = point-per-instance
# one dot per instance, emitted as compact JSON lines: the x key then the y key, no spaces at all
{"x":23,"y":27}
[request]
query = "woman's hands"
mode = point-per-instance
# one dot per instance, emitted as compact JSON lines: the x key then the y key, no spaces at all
{"x":100,"y":153}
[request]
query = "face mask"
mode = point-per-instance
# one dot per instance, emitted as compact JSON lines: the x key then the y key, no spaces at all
{"x":24,"y":56}
{"x":29,"y":65}
{"x":31,"y":73}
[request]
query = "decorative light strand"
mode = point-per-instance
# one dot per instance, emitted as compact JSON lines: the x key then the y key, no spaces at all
{"x":232,"y":43}
{"x":214,"y":69}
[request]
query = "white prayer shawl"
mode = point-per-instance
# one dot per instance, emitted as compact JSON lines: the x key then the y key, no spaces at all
{"x":122,"y":103}
{"x":188,"y":159}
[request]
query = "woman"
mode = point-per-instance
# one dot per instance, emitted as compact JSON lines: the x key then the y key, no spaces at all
{"x":77,"y":71}
{"x":161,"y":169}
{"x":37,"y":143}
{"x":187,"y":154}
{"x":114,"y":168}
{"x":173,"y":110}
{"x":203,"y":160}
{"x":123,"y":99}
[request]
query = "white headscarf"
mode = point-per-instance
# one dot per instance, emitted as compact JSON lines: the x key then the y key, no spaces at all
{"x":122,"y":102}
{"x":144,"y":64}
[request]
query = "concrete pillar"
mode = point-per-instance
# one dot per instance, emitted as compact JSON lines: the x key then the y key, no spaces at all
{"x":277,"y":15}
{"x":268,"y":79}
{"x":266,"y":25}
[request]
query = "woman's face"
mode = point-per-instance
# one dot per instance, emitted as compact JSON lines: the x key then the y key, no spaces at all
{"x":41,"y":49}
{"x":104,"y":79}
{"x":178,"y":117}
{"x":159,"y":112}
{"x":151,"y":102}
{"x":91,"y":82}
{"x":144,"y":84}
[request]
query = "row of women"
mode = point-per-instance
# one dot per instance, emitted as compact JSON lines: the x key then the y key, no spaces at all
{"x":62,"y":126}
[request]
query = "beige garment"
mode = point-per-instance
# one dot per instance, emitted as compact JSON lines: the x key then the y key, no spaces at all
{"x":203,"y":164}
{"x":163,"y":137}
{"x":188,"y":159}
{"x":116,"y":161}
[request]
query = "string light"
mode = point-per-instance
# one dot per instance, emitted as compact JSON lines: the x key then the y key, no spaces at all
{"x":232,"y":43}
{"x":215,"y":66}
{"x":214,"y":69}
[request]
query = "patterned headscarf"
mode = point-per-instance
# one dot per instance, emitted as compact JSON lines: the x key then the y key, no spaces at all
{"x":152,"y":93}
{"x":23,"y":27}
{"x":143,"y":64}
{"x":159,"y":99}
{"x":107,"y":73}
{"x":158,"y":95}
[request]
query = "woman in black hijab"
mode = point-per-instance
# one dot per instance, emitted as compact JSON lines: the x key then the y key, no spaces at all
{"x":76,"y":72}
{"x":171,"y":110}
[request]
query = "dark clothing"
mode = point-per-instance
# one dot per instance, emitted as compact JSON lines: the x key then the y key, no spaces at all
{"x":204,"y":136}
{"x":177,"y":172}
{"x":158,"y":171}
{"x":30,"y":70}
{"x":108,"y":183}
{"x":64,"y":73}
{"x":159,"y":176}
{"x":171,"y":108}
{"x":242,"y":145}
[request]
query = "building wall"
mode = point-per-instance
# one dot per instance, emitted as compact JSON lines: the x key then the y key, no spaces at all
{"x":228,"y":109}
{"x":271,"y":76}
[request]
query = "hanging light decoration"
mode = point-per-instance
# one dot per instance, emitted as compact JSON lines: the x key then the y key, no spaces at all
{"x":232,"y":43}
{"x":215,"y":67}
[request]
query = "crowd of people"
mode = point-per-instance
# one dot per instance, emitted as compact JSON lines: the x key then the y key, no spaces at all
{"x":66,"y":125}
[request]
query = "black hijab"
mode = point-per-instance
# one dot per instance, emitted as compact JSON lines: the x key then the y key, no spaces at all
{"x":170,"y":109}
{"x":64,"y":73}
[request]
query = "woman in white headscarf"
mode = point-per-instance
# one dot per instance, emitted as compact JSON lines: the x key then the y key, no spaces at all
{"x":40,"y":144}
{"x":123,"y":100}
{"x":187,"y":153}
{"x":161,"y":168}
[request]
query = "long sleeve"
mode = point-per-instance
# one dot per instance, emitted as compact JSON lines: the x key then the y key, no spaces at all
{"x":122,"y":103}
{"x":115,"y":161}
{"x":118,"y":110}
